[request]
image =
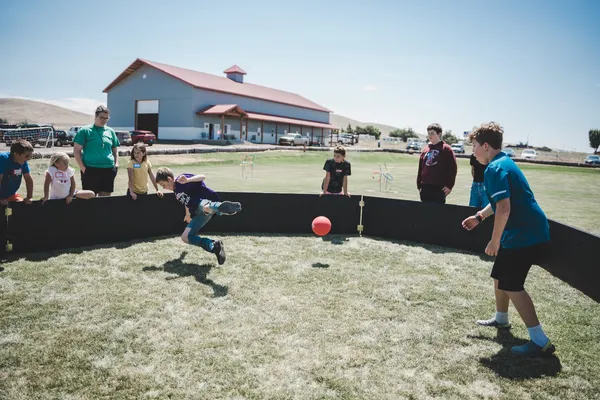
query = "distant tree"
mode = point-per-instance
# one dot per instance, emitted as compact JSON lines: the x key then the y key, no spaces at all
{"x":404,"y":134}
{"x":594,"y":139}
{"x":3,"y":121}
{"x":449,"y":137}
{"x":368,"y":130}
{"x":349,"y":129}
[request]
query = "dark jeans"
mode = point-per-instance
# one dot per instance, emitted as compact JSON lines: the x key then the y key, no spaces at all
{"x":433,"y":194}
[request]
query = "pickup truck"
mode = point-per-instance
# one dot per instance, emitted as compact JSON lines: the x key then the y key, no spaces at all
{"x":293,"y":139}
{"x":145,"y":137}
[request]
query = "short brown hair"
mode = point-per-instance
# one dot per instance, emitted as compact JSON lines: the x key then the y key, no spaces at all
{"x":490,"y":133}
{"x":20,"y":146}
{"x":101,"y":109}
{"x":340,"y":150}
{"x":141,"y":147}
{"x":163,"y":174}
{"x":435,"y":127}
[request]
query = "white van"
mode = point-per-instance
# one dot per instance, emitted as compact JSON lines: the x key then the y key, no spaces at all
{"x":73,"y":131}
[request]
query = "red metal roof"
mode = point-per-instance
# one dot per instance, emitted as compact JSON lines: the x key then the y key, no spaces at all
{"x":216,"y":83}
{"x":235,"y":70}
{"x":292,"y":121}
{"x":222,"y":109}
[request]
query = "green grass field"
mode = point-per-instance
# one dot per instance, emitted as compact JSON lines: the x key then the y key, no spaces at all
{"x":285,"y":318}
{"x":567,"y":194}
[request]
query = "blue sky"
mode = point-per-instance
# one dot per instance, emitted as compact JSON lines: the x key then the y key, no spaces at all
{"x":533,"y":66}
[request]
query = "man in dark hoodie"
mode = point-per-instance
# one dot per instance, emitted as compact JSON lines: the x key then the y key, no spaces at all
{"x":437,"y":168}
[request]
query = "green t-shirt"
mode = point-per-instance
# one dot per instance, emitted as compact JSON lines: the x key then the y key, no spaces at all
{"x":97,"y":145}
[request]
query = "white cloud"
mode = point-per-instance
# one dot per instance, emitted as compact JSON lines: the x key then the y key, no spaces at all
{"x":370,"y":88}
{"x":81,"y":104}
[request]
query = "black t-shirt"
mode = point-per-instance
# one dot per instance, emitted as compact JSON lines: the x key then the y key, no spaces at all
{"x":479,"y":169}
{"x":337,"y":171}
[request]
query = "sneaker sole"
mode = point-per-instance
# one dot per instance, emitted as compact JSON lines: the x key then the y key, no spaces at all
{"x":228,"y":207}
{"x":508,"y":326}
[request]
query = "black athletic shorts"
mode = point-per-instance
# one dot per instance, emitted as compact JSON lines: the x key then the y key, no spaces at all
{"x":512,"y":265}
{"x":99,"y":179}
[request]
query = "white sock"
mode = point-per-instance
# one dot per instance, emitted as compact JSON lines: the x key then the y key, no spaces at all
{"x":538,"y":336}
{"x":502,"y":317}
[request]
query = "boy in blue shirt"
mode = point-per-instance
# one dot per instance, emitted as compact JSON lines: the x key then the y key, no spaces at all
{"x":201,"y":203}
{"x":520,"y":237}
{"x":13,"y":168}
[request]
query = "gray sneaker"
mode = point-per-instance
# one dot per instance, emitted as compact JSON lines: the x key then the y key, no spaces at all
{"x":229,"y":208}
{"x":492,"y":323}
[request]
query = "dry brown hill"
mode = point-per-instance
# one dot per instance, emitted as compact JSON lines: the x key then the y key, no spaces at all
{"x":19,"y":110}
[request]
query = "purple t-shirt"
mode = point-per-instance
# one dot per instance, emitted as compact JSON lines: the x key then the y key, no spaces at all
{"x":192,"y":193}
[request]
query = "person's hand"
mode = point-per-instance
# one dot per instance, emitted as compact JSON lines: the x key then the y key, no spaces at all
{"x":187,"y":219}
{"x":347,"y":194}
{"x":446,"y":190}
{"x":83,"y":170}
{"x":182,"y":179}
{"x":470,"y":223}
{"x":321,"y":194}
{"x":44,"y":199}
{"x":160,"y":194}
{"x":69,"y":199}
{"x":133,"y":195}
{"x":27,"y":200}
{"x":492,"y":248}
{"x":4,"y":202}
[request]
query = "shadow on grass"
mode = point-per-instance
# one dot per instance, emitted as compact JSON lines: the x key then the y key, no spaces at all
{"x":320,"y":265}
{"x":511,"y":366}
{"x":335,"y":239}
{"x":199,"y":272}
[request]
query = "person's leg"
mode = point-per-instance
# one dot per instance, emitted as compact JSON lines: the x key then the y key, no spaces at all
{"x":106,"y":181}
{"x":220,"y":208}
{"x":190,"y":234}
{"x":499,"y":271}
{"x":474,"y":196}
{"x":85,"y":194}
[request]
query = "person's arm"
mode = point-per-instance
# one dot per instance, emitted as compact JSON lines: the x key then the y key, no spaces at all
{"x":473,"y":172}
{"x":188,"y":215}
{"x":69,"y":198}
{"x":153,"y":180}
{"x":420,"y":172}
{"x":115,"y":153}
{"x":29,"y":186}
{"x":47,"y":183}
{"x":345,"y":186}
{"x":77,"y":148}
{"x":195,"y":178}
{"x":130,"y":183}
{"x":326,"y":182}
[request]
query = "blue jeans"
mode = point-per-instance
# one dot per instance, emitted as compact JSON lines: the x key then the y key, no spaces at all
{"x":200,"y":219}
{"x":478,"y":198}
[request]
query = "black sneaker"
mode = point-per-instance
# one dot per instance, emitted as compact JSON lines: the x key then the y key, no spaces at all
{"x":229,"y":208}
{"x":219,"y":250}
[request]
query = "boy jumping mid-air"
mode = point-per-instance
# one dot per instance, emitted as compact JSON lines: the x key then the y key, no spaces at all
{"x":201,"y":203}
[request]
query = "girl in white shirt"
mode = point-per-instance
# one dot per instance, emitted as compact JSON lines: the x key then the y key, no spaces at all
{"x":60,"y":181}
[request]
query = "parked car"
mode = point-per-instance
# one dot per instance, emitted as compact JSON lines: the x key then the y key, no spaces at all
{"x":414,"y":146}
{"x":458,"y":148}
{"x":124,"y":138}
{"x":293,"y":139}
{"x":346,"y":139}
{"x":73,"y":131}
{"x":61,"y":138}
{"x":145,"y":137}
{"x":528,"y":154}
{"x":592,"y":159}
{"x":509,"y":152}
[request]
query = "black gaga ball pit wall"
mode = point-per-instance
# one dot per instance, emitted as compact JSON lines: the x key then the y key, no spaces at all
{"x":430,"y":223}
{"x":56,"y":225}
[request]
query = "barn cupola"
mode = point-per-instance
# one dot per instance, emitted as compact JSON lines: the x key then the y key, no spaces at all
{"x":235,"y":73}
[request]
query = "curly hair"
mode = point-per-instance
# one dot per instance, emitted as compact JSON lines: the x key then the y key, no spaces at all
{"x":490,"y":133}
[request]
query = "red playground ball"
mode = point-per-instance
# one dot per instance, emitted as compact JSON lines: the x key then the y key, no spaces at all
{"x":321,"y":226}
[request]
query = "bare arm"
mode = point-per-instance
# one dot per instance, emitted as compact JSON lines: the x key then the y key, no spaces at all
{"x":47,"y":183}
{"x":345,"y":184}
{"x":73,"y":187}
{"x":327,"y":180}
{"x":130,"y":181}
{"x":195,"y":178}
{"x":153,"y":179}
{"x":77,"y":148}
{"x":29,"y":186}
{"x":116,"y":156}
{"x":473,"y":171}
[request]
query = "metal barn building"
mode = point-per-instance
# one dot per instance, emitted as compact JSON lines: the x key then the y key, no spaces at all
{"x":181,"y":104}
